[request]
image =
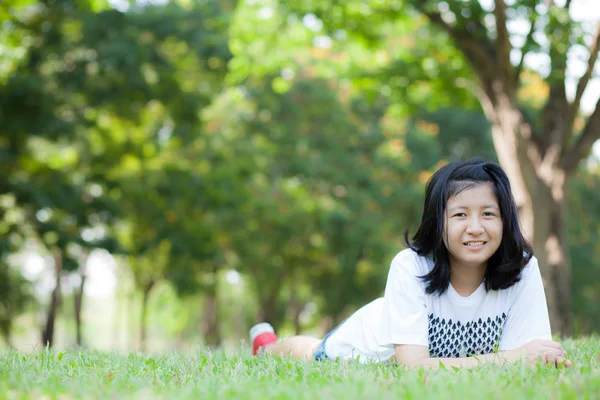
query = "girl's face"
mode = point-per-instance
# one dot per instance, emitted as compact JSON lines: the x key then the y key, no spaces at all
{"x":473,"y":227}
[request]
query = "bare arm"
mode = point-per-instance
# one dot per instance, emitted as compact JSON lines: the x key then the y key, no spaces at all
{"x":539,"y":350}
{"x":418,"y":356}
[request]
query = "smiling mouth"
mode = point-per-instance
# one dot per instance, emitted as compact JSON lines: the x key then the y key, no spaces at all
{"x":474,"y":244}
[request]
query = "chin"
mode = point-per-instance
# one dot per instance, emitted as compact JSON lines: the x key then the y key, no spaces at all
{"x":474,"y":262}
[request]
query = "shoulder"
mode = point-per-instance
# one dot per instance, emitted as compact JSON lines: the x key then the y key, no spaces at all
{"x":409,"y":262}
{"x":405,"y":276}
{"x":530,"y":275}
{"x":531,"y":270}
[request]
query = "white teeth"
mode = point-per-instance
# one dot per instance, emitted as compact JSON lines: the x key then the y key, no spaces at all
{"x":474,"y":243}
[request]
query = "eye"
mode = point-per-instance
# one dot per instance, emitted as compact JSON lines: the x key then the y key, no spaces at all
{"x":460,"y":215}
{"x":489,"y":214}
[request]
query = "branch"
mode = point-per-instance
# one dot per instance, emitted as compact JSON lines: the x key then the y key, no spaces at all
{"x":568,"y":4}
{"x":503,"y":46}
{"x":584,"y":144}
{"x":528,"y":41}
{"x":584,"y":80}
{"x":556,"y":113}
{"x":477,"y":50}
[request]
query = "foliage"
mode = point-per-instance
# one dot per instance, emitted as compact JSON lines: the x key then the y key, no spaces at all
{"x":290,"y":141}
{"x":484,"y":51}
{"x":16,"y":296}
{"x":584,"y":237}
{"x":108,"y":101}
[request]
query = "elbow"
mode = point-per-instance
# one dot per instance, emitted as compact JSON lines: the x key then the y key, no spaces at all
{"x":412,"y":355}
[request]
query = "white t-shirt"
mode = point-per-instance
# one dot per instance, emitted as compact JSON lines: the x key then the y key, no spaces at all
{"x":450,"y":325}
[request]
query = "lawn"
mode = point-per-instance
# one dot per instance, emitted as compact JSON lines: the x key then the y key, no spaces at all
{"x":205,"y":375}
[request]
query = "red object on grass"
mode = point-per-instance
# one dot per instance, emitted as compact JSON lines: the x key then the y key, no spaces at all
{"x":262,"y":340}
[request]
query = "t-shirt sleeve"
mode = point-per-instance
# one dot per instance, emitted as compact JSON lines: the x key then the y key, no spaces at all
{"x":527,"y":317}
{"x":404,"y":317}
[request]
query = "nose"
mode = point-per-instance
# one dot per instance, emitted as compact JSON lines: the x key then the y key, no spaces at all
{"x":475,"y":227}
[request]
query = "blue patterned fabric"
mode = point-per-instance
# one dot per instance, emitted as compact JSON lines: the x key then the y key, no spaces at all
{"x":320,"y":353}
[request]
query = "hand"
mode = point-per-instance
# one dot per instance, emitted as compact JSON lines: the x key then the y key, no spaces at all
{"x":540,"y":350}
{"x":562,"y":362}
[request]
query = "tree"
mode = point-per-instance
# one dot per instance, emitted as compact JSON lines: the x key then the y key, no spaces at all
{"x":16,"y":295}
{"x":539,"y":155}
{"x":539,"y":152}
{"x":584,"y":242}
{"x":322,"y":173}
{"x":110,"y":91}
{"x":40,"y":156}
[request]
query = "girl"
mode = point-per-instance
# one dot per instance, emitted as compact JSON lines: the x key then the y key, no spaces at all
{"x":466,"y":291}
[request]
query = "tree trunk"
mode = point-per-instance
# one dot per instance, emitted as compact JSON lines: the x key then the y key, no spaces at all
{"x":210,"y":323}
{"x":297,"y":324}
{"x":78,"y":300}
{"x":540,"y":192}
{"x":144,"y":315}
{"x":48,"y":332}
{"x":547,"y":214}
{"x":268,"y":308}
{"x":296,"y":308}
{"x":78,"y":303}
{"x":550,"y":237}
{"x":269,"y":288}
{"x":210,"y":326}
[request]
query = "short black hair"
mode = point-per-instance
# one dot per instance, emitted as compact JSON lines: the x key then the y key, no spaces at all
{"x":505,"y":265}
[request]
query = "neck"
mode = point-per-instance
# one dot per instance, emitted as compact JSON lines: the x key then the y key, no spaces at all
{"x":465,"y":280}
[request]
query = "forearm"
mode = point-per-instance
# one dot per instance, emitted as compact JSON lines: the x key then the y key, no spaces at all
{"x":463,"y":362}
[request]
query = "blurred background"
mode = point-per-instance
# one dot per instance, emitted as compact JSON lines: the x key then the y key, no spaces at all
{"x":174,"y":171}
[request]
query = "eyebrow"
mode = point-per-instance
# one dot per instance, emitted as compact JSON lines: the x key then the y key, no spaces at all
{"x":464,"y":208}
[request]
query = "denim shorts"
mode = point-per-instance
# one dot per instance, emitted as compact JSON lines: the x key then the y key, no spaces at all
{"x":320,"y":353}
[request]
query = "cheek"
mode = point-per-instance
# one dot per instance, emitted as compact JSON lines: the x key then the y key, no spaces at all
{"x":452,"y":233}
{"x":498,"y":230}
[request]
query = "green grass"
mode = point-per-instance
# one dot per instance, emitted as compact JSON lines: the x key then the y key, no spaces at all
{"x":201,"y":375}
